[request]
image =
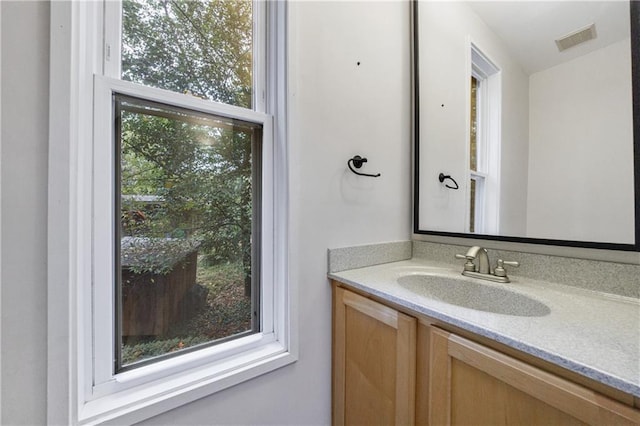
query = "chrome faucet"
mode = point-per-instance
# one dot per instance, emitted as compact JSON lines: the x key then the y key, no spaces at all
{"x":481,"y":268}
{"x":482,"y":257}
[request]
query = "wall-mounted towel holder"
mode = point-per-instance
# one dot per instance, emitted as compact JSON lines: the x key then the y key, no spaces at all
{"x":442,"y":177}
{"x":357,"y":162}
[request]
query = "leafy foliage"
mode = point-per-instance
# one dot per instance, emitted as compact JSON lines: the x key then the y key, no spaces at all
{"x":198,"y":47}
{"x":143,"y":350}
{"x":200,"y":173}
{"x":154,"y":255}
{"x":227,"y":312}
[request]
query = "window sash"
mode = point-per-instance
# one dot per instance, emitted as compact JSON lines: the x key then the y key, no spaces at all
{"x":122,"y":103}
{"x":112,"y":58}
{"x":481,"y":119}
{"x":104,"y":299}
{"x":478,"y":202}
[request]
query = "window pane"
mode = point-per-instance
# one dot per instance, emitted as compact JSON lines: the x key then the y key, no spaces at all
{"x":187,"y":232}
{"x":472,"y":206}
{"x":203,"y":48}
{"x":473,"y":143}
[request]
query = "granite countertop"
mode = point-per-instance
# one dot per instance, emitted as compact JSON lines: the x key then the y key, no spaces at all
{"x":594,"y":334}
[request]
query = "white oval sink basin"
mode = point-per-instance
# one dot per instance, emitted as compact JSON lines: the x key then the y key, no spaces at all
{"x":474,"y":295}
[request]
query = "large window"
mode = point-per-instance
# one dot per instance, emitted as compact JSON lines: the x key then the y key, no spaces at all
{"x":176,"y":248}
{"x":187,"y":182}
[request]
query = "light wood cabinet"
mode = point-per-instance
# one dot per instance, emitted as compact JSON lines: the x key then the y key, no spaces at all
{"x":374,"y":359}
{"x":388,"y":370}
{"x":473,"y":384}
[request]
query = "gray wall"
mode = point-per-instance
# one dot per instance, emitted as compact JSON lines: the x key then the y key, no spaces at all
{"x":581,"y":145}
{"x":338,"y":109}
{"x":25,"y":120}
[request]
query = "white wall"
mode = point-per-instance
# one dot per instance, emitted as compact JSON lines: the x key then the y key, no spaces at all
{"x":25,"y":89}
{"x":581,"y":142}
{"x":337,"y":109}
{"x":445,"y":31}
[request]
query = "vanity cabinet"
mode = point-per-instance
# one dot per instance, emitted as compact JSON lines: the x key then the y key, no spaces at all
{"x":392,"y":368}
{"x":374,"y":358}
{"x":473,"y":384}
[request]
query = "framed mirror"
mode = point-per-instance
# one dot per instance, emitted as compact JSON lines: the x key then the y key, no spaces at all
{"x":527,"y":121}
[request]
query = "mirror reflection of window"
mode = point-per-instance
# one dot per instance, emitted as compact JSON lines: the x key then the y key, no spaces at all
{"x":473,"y":154}
{"x":484,"y":144}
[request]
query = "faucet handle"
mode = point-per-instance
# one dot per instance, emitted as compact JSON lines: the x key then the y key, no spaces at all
{"x":469,"y":265}
{"x":500,"y":271}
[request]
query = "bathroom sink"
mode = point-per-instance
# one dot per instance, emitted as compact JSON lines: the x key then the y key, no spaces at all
{"x":473,"y":295}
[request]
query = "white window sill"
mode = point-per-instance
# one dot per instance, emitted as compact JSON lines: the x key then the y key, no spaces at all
{"x":150,"y":399}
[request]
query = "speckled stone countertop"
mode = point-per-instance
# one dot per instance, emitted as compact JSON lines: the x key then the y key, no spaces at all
{"x":591,"y":333}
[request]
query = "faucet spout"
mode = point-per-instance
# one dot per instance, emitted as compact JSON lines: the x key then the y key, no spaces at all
{"x":477,"y":265}
{"x":482,"y":259}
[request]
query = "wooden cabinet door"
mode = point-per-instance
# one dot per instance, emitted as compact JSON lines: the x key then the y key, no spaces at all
{"x":471,"y":384}
{"x":374,"y":352}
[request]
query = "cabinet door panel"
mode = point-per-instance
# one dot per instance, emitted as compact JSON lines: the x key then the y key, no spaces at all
{"x":480,"y":399}
{"x":472,"y":384}
{"x":374,"y":362}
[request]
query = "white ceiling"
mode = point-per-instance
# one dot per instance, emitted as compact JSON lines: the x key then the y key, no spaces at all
{"x":530,"y":28}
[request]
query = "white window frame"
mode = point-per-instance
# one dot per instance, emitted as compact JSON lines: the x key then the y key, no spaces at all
{"x":82,"y":387}
{"x":488,"y":141}
{"x":0,"y":210}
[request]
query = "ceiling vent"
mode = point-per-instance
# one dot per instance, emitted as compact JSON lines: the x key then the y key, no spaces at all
{"x":576,"y":37}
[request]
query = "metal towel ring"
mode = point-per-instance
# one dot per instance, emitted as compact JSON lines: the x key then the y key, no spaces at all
{"x":357,"y":162}
{"x":442,"y":177}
